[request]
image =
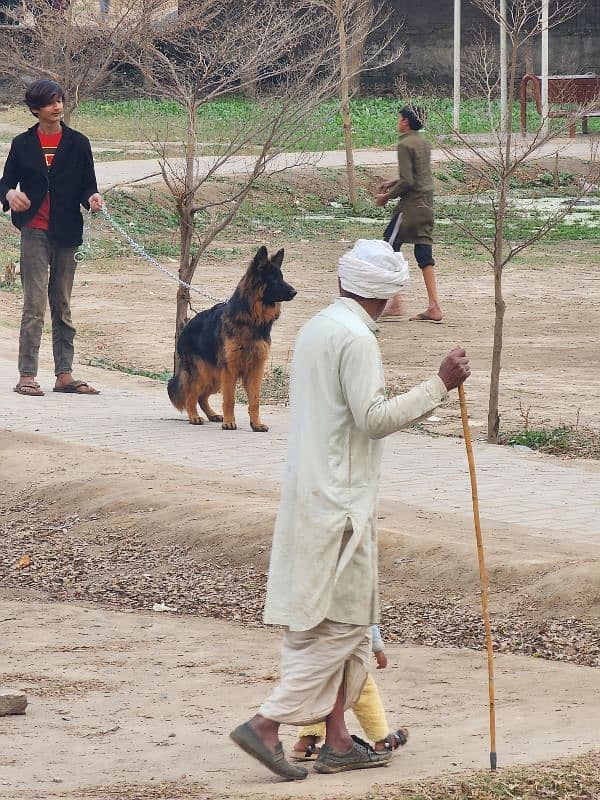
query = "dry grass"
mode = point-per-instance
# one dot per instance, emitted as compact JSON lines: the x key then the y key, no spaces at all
{"x":576,"y":779}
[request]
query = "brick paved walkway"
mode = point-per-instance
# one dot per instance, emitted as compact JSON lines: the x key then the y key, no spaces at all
{"x":423,"y":472}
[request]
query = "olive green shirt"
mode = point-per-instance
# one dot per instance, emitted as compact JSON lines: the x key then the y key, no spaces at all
{"x":414,"y":166}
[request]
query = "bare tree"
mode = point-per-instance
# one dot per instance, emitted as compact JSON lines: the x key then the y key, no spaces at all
{"x":357,"y":20}
{"x":494,"y":166}
{"x":289,"y":53}
{"x":75,"y":45}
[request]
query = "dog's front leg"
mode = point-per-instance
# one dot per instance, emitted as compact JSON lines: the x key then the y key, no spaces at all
{"x":228,"y":382}
{"x":252,"y":385}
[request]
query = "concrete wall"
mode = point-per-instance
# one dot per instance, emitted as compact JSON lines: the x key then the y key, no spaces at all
{"x":428,"y":33}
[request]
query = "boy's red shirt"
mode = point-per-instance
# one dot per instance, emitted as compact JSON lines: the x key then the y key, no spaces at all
{"x":49,"y":142}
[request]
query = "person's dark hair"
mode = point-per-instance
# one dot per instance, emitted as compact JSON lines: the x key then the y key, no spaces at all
{"x":42,"y":93}
{"x":416,"y":116}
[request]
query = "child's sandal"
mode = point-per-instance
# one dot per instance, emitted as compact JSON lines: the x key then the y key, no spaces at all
{"x":310,"y":754}
{"x":396,"y":739}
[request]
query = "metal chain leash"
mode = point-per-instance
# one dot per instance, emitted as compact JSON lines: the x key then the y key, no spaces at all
{"x":139,"y":251}
{"x":85,"y":248}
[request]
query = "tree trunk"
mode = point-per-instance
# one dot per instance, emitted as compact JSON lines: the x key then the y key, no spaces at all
{"x":250,"y":81}
{"x":356,"y":51}
{"x":500,"y":306}
{"x":355,"y":60}
{"x":345,"y":104}
{"x":186,"y":229}
{"x":493,"y":415}
{"x":181,"y":318}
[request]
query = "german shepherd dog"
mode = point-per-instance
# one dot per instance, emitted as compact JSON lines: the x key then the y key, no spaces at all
{"x":231,"y":341}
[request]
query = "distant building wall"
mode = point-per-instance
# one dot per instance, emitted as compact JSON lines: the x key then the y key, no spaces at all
{"x":428,"y":33}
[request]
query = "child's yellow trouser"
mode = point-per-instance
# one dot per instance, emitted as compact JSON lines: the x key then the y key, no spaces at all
{"x":368,"y":711}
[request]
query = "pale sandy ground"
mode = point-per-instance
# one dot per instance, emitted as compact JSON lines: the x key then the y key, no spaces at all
{"x":139,"y":698}
{"x":152,"y":676}
{"x":107,"y":688}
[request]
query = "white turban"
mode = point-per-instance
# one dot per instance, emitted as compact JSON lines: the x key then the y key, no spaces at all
{"x":373,"y":270}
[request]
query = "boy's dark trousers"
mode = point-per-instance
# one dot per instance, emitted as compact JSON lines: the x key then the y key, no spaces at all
{"x":41,"y":285}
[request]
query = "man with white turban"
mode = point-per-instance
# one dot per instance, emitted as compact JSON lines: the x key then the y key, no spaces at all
{"x":322,"y":583}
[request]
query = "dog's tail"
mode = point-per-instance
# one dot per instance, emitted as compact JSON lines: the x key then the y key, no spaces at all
{"x":176,"y":393}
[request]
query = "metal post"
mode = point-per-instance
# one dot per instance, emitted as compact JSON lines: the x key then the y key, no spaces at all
{"x":503,"y":70}
{"x":545,"y":62}
{"x":457,"y":32}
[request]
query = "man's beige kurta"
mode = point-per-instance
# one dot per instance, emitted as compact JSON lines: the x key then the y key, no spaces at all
{"x":339,"y":414}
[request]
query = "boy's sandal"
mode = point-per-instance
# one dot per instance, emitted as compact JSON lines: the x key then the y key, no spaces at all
{"x":396,"y":739}
{"x":310,"y":754}
{"x":29,"y":389}
{"x":76,"y":387}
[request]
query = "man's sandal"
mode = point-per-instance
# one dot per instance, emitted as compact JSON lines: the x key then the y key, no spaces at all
{"x":246,"y":738}
{"x":361,"y":756}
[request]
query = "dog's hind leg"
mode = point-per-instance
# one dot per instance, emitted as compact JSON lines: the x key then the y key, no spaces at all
{"x":252,"y":383}
{"x":210,"y":383}
{"x":191,"y":390}
{"x":208,"y":410}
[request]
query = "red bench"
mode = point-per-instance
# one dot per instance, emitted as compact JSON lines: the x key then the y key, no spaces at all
{"x":580,"y":90}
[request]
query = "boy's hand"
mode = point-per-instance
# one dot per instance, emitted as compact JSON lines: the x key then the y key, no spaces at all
{"x":381,"y":199}
{"x":18,"y":201}
{"x":381,"y":659}
{"x":96,"y":202}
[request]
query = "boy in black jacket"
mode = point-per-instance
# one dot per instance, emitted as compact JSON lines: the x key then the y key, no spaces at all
{"x":54,"y":169}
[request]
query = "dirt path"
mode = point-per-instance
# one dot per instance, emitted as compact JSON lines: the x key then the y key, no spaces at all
{"x":148,"y":171}
{"x":140,"y":698}
{"x":118,"y":478}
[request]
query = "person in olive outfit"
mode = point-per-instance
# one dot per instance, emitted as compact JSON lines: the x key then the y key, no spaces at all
{"x":413,"y":217}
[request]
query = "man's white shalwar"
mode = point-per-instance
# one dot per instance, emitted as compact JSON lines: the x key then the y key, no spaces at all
{"x":339,"y":414}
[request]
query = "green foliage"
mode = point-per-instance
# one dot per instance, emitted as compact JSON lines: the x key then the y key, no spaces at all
{"x":13,"y":288}
{"x":543,"y":438}
{"x":105,"y":363}
{"x":275,"y":387}
{"x":374,"y":120}
{"x":565,"y":440}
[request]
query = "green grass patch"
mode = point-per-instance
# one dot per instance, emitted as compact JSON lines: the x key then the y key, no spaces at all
{"x":9,"y":286}
{"x":374,"y":120}
{"x":520,"y":225}
{"x":275,"y":387}
{"x":565,"y":440}
{"x":104,"y":363}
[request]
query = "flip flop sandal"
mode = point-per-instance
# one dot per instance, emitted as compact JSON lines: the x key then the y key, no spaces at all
{"x":310,"y":754}
{"x":396,"y":739}
{"x":246,"y":738}
{"x":74,"y":388}
{"x":29,"y":389}
{"x":424,"y":317}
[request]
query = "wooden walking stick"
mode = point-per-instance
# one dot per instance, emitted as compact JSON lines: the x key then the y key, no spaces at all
{"x":483,"y":576}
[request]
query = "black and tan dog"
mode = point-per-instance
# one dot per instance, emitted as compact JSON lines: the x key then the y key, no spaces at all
{"x":231,"y":341}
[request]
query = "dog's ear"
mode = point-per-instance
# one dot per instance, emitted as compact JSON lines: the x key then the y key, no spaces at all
{"x":261,"y":258}
{"x":278,"y":258}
